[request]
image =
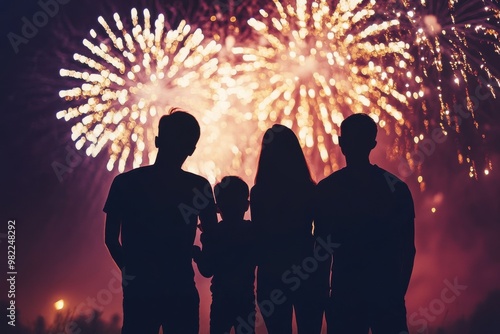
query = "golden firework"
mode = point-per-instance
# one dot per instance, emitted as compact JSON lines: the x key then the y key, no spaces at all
{"x":132,"y":78}
{"x":316,"y":64}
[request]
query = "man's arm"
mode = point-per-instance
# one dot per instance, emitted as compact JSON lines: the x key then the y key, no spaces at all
{"x":322,"y":223}
{"x":407,"y":219}
{"x":208,"y":214}
{"x":408,"y":253}
{"x":111,"y":238}
{"x":323,"y":236}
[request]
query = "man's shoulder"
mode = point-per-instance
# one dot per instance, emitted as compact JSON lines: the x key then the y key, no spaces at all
{"x":333,"y":179}
{"x":134,"y":174}
{"x":149,"y":171}
{"x":386,"y":173}
{"x":194,"y":179}
{"x":394,"y":182}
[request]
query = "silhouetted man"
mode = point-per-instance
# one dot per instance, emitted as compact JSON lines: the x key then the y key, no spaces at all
{"x":154,"y":210}
{"x":370,"y":213}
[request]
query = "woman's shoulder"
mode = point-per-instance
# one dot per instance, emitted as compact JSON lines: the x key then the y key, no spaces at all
{"x":292,"y":192}
{"x":266,"y":190}
{"x":256,"y":190}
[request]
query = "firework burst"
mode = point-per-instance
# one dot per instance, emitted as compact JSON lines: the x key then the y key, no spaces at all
{"x":317,"y":64}
{"x":306,"y":64}
{"x":132,"y":78}
{"x":454,"y":44}
{"x":410,"y":65}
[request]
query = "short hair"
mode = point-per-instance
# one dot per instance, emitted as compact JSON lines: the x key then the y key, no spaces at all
{"x":359,"y":128}
{"x":179,"y":128}
{"x":231,"y":189}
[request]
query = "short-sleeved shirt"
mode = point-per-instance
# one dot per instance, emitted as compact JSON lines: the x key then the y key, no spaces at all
{"x":368,"y":211}
{"x":231,"y":254}
{"x":159,"y":211}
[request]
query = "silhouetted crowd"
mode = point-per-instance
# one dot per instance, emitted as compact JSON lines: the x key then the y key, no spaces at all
{"x":342,"y":249}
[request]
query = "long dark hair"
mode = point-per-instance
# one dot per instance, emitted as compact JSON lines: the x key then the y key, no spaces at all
{"x":281,"y":158}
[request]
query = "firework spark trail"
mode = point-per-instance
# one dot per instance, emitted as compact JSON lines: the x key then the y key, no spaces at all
{"x":130,"y":80}
{"x":234,"y":150}
{"x":449,"y":38}
{"x":306,"y":64}
{"x":317,"y":64}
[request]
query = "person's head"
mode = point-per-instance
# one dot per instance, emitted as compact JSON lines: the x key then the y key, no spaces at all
{"x":358,"y":135}
{"x":178,"y":133}
{"x":231,"y":197}
{"x":281,"y":158}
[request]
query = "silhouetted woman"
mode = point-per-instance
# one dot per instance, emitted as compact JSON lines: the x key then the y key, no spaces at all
{"x":282,"y":215}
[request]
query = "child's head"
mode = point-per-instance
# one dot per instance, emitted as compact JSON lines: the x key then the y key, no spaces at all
{"x":231,"y":195}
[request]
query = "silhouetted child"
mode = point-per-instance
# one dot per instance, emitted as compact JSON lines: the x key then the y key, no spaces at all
{"x":228,"y":256}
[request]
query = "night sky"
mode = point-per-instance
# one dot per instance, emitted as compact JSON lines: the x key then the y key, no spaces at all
{"x":60,"y":251}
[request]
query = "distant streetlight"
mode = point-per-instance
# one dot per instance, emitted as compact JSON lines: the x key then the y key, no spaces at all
{"x":59,"y":305}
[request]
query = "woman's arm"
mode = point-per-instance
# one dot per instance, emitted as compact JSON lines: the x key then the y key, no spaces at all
{"x":258,"y":222}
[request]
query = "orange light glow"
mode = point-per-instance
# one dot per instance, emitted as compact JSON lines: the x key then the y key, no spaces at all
{"x":59,"y":305}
